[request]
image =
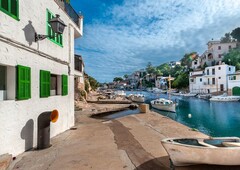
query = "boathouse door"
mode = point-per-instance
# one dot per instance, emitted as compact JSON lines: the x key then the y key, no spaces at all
{"x":236,"y":91}
{"x":221,"y":87}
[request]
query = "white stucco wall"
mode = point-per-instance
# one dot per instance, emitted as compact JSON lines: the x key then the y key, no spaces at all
{"x":15,"y":136}
{"x":220,"y":79}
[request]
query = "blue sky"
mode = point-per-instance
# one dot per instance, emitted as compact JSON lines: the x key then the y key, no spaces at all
{"x":121,"y":36}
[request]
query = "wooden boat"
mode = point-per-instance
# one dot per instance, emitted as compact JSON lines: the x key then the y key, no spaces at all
{"x":164,"y":104}
{"x":137,"y":98}
{"x":215,"y":151}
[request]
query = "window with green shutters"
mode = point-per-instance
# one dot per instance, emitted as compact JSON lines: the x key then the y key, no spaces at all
{"x":45,"y":80}
{"x":53,"y":36}
{"x":64,"y":85}
{"x":10,"y":7}
{"x":23,"y":82}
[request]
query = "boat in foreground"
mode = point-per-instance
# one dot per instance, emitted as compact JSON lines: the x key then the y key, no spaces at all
{"x":225,"y":98}
{"x":214,"y":151}
{"x":164,"y":104}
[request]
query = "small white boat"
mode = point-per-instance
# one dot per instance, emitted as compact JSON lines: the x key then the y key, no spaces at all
{"x":164,"y":104}
{"x":225,"y":98}
{"x":204,"y":96}
{"x":214,"y":151}
{"x":120,"y":93}
{"x":140,"y":98}
{"x":189,"y":95}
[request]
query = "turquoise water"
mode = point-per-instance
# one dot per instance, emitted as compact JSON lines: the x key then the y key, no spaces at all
{"x":211,"y":118}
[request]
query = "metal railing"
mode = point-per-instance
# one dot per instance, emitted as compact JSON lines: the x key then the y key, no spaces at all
{"x":69,"y":10}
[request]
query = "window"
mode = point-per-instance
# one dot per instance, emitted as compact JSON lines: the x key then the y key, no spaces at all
{"x":78,"y":64}
{"x":56,"y":88}
{"x":3,"y":83}
{"x":207,"y":72}
{"x":213,"y":80}
{"x":23,"y":82}
{"x":229,"y":68}
{"x":195,"y":62}
{"x":219,"y":47}
{"x":213,"y":71}
{"x":219,"y":68}
{"x":44,"y":83}
{"x":192,"y":80}
{"x":219,"y":77}
{"x":234,"y":77}
{"x":229,"y":47}
{"x":64,"y":85}
{"x":219,"y":56}
{"x":53,"y":36}
{"x":200,"y":79}
{"x":208,"y":81}
{"x":10,"y":7}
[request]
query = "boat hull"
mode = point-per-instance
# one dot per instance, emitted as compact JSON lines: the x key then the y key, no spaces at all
{"x":169,"y":108}
{"x":182,"y":155}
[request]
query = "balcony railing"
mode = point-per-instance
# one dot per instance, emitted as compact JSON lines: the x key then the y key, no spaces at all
{"x":70,"y":11}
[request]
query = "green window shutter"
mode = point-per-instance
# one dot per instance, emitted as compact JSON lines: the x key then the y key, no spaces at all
{"x":64,"y":85}
{"x":53,"y":36}
{"x":45,"y":80}
{"x":10,"y":7}
{"x":23,"y":82}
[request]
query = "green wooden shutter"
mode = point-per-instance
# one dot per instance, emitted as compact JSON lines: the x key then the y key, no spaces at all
{"x":10,"y":7}
{"x":64,"y":85}
{"x":53,"y":36}
{"x":45,"y":78}
{"x":23,"y":82}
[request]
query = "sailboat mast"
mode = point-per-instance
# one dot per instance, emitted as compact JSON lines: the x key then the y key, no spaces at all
{"x":169,"y":84}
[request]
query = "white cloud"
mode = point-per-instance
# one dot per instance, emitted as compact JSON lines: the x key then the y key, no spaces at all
{"x":138,"y":31}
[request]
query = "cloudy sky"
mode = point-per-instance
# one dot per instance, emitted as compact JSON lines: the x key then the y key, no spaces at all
{"x":121,"y":36}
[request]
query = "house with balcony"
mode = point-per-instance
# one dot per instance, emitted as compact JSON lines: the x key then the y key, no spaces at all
{"x":36,"y":70}
{"x":212,"y":79}
{"x":213,"y":55}
{"x":161,"y":82}
{"x":234,"y":84}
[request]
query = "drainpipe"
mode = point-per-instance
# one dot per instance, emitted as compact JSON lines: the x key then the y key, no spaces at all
{"x":44,"y":120}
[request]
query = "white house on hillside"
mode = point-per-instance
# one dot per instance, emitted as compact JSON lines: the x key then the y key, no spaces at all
{"x":212,"y":79}
{"x":35,"y":77}
{"x":214,"y":54}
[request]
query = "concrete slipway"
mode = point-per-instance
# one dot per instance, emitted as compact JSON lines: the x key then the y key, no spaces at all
{"x":127,"y":143}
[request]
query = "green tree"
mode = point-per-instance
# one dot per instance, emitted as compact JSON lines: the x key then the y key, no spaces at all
{"x":116,"y":79}
{"x":182,"y":81}
{"x":125,"y":76}
{"x":93,"y":83}
{"x":233,"y":58}
{"x":227,"y":38}
{"x":188,"y":58}
{"x":164,"y":68}
{"x":150,"y":69}
{"x":236,"y":34}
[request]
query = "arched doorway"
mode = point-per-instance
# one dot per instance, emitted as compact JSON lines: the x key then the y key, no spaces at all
{"x":236,"y":91}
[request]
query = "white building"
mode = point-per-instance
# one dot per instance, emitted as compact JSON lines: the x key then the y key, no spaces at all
{"x":79,"y":71}
{"x":35,"y":77}
{"x":212,"y":79}
{"x":234,"y":84}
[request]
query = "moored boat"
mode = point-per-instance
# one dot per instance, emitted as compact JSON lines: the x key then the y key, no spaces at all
{"x":189,"y":94}
{"x":215,"y":151}
{"x":225,"y":98}
{"x":140,"y":98}
{"x":204,"y":96}
{"x":164,"y":104}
